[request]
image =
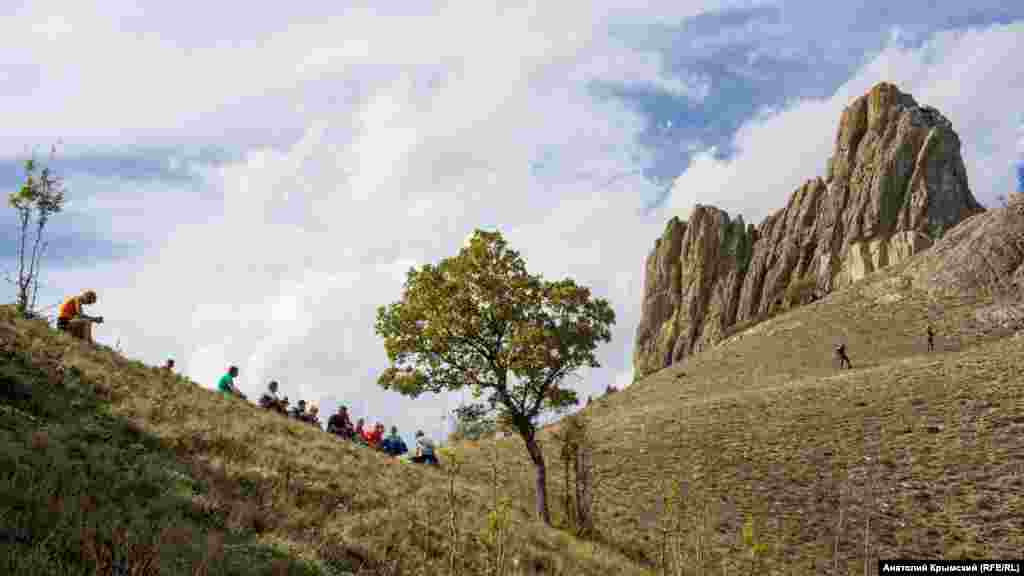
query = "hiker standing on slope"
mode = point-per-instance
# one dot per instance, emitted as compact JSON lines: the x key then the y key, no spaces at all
{"x":931,"y":339}
{"x":844,"y":360}
{"x":71,"y":318}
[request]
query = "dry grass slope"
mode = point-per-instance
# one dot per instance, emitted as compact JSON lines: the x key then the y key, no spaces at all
{"x":923,"y":453}
{"x":112,"y":465}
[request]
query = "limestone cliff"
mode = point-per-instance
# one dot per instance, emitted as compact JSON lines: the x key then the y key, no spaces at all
{"x":895,"y":182}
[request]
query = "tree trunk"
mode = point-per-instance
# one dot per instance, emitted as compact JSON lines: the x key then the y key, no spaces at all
{"x":23,"y":281}
{"x":542,"y":477}
{"x":584,"y":490}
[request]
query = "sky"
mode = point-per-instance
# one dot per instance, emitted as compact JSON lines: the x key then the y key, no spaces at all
{"x":246,"y":186}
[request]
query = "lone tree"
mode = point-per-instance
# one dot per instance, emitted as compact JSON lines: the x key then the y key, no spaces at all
{"x":479,"y":320}
{"x":41,"y":196}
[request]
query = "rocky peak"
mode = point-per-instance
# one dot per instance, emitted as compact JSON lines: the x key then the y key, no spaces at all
{"x":894,"y":183}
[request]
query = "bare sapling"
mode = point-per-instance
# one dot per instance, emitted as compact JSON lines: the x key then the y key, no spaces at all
{"x":577,"y":460}
{"x":39,"y":198}
{"x":495,"y":535}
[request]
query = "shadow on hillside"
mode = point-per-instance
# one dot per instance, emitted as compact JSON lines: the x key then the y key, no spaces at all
{"x":84,"y":492}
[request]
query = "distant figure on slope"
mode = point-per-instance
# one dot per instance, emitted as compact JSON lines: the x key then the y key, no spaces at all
{"x":424,"y":450}
{"x":844,"y":360}
{"x":226,"y":385}
{"x":931,"y":339}
{"x":340,"y":424}
{"x":71,"y":318}
{"x":169,"y":366}
{"x":393,"y":444}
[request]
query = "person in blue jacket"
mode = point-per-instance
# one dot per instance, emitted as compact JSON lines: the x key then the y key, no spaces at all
{"x":393,"y":443}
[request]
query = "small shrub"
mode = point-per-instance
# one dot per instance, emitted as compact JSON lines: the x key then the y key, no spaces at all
{"x":801,"y":291}
{"x":752,"y":544}
{"x":575,"y":453}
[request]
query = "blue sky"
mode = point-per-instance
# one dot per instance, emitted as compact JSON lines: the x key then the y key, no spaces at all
{"x":249,"y":191}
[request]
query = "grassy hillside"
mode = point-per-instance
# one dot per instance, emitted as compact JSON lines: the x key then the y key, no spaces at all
{"x":910,"y":454}
{"x":109,"y":466}
{"x":112,"y":467}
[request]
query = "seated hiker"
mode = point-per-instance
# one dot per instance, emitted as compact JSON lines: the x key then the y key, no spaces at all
{"x":226,"y":385}
{"x":282,"y":406}
{"x":375,"y":437}
{"x":844,"y":360}
{"x":313,"y":415}
{"x":424,"y":450}
{"x":71,"y":318}
{"x":169,"y":366}
{"x":393,"y":444}
{"x":340,"y":424}
{"x":361,"y":432}
{"x":269,"y":399}
{"x":299,"y":412}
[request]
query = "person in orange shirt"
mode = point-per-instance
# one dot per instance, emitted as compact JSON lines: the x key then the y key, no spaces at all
{"x":71,"y":318}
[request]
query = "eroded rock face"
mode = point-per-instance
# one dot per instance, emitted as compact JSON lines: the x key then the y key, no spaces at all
{"x":984,"y":255}
{"x":895,"y":182}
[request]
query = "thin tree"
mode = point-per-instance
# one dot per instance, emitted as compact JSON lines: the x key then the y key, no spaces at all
{"x":480,"y":320}
{"x":41,"y":196}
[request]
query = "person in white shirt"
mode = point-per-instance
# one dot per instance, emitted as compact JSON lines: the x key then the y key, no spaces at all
{"x":424,"y":450}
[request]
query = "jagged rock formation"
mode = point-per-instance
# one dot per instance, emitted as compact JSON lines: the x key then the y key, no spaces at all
{"x":895,"y":182}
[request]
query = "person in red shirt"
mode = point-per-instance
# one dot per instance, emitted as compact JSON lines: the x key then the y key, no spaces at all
{"x":361,"y":434}
{"x":375,"y":438}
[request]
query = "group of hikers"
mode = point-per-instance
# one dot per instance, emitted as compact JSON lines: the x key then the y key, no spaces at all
{"x":71,"y":318}
{"x":338,"y":424}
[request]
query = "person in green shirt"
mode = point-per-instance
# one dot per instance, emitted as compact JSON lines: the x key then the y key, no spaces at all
{"x":227,"y":382}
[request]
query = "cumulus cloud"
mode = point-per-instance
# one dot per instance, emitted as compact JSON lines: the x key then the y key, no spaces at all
{"x":149,"y":75}
{"x":971,"y":76}
{"x":479,"y":118}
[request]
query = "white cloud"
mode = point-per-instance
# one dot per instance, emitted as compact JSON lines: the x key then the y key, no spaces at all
{"x":971,"y":76}
{"x":139,"y":73}
{"x":281,"y":273}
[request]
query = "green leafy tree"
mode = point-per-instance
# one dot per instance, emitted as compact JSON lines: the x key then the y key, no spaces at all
{"x":480,"y":320}
{"x":41,"y":196}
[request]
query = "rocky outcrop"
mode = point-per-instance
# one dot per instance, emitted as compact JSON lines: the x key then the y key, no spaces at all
{"x":895,"y":182}
{"x":983,"y":256}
